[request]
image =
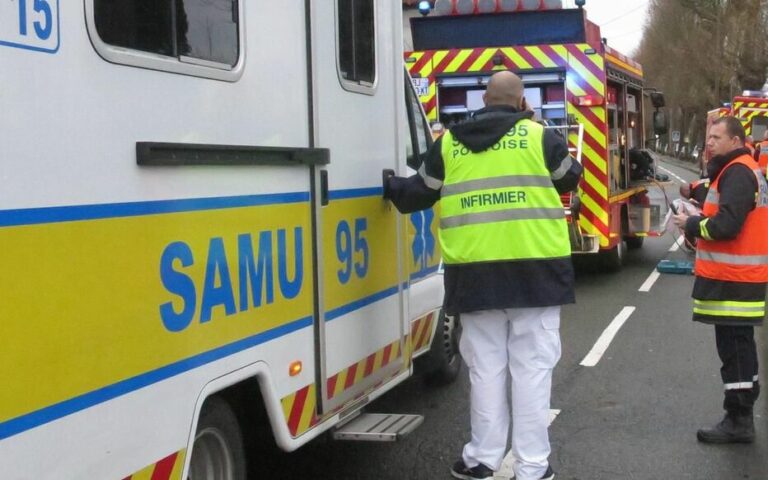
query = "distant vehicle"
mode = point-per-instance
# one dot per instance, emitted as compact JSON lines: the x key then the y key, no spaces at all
{"x":751,"y":108}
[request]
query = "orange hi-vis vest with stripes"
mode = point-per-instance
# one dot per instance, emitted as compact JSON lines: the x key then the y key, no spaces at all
{"x":763,"y":158}
{"x":744,"y":258}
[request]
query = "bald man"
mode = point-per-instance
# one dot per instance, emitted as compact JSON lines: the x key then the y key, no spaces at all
{"x":504,"y":240}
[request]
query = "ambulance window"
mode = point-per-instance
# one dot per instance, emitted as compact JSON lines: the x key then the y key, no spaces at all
{"x":356,"y":40}
{"x":420,"y":134}
{"x":197,"y":34}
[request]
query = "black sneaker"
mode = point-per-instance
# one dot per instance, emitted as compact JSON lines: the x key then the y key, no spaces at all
{"x":549,"y":474}
{"x":460,"y":470}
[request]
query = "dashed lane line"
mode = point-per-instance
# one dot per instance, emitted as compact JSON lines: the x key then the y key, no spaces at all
{"x":677,"y":177}
{"x":646,"y":286}
{"x":602,"y":344}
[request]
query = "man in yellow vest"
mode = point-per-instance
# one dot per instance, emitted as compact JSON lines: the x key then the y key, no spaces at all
{"x":732,"y":272}
{"x":505,"y":246}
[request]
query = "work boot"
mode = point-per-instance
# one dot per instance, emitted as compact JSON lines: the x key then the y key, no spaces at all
{"x":731,"y":429}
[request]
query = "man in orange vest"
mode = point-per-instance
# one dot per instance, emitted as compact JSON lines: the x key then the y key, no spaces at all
{"x":761,"y":154}
{"x":732,"y":273}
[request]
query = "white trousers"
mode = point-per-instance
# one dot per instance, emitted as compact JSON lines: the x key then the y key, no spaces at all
{"x":526,"y":343}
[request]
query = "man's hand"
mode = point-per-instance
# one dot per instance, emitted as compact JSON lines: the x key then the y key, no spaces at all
{"x":680,"y":219}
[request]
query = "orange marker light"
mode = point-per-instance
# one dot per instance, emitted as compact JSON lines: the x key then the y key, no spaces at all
{"x":295,"y":368}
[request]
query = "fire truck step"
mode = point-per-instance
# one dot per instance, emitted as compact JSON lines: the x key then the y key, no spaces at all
{"x":378,"y":427}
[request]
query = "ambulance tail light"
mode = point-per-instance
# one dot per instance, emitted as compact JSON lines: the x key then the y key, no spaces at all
{"x":590,"y":100}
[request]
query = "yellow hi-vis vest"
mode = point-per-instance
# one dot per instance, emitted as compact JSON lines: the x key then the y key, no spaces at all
{"x":500,"y":204}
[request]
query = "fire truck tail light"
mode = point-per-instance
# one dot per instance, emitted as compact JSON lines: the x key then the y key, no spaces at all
{"x":295,"y":368}
{"x":590,"y":100}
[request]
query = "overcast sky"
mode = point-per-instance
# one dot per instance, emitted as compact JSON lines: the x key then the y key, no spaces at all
{"x":621,"y":22}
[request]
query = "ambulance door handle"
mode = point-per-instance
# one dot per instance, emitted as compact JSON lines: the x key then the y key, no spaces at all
{"x":323,"y":187}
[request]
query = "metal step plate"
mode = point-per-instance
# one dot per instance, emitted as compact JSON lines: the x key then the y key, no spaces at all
{"x":378,"y":427}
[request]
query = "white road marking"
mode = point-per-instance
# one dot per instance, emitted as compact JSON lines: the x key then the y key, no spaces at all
{"x":678,"y":178}
{"x":602,"y":344}
{"x":646,"y":287}
{"x":676,"y":246}
{"x":507,"y":471}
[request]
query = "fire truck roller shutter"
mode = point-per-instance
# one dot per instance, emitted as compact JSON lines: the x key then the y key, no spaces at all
{"x":443,"y":7}
{"x":530,"y":4}
{"x":507,"y":5}
{"x":486,"y":6}
{"x":465,"y":7}
{"x":552,"y":4}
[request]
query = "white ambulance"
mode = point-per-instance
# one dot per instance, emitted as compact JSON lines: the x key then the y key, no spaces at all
{"x":192,"y":228}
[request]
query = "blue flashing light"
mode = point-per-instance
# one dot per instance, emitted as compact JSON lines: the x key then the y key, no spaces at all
{"x":425,"y":7}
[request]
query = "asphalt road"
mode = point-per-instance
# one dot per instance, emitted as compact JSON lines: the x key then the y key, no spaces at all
{"x":632,"y":416}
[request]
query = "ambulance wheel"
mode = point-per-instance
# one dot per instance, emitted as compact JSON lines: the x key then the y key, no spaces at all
{"x":633,"y":243}
{"x":217,"y":453}
{"x":442,"y":363}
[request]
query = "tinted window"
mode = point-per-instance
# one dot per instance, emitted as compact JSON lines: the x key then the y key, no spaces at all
{"x":420,"y":135}
{"x":201,"y":29}
{"x":357,"y":48}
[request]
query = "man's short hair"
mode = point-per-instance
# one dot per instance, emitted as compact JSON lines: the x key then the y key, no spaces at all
{"x":733,"y":127}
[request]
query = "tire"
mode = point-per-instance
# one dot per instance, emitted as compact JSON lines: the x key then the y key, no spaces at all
{"x":633,"y":243}
{"x":217,"y":453}
{"x":442,"y":364}
{"x":612,"y":260}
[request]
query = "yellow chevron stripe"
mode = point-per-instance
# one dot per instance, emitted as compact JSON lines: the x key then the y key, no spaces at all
{"x":588,"y":227}
{"x":598,"y":162}
{"x":340,"y":381}
{"x":456,"y":62}
{"x":179,"y":465}
{"x":598,"y":135}
{"x":378,"y":360}
{"x":436,"y":59}
{"x":516,"y":58}
{"x":483,"y":59}
{"x":584,"y":72}
{"x":598,"y":186}
{"x":395,"y":351}
{"x":360,"y":372}
{"x":144,"y":474}
{"x":541,"y":56}
{"x":592,"y":204}
{"x":306,"y":413}
{"x":287,"y":403}
{"x":574,"y":87}
{"x":597,"y":60}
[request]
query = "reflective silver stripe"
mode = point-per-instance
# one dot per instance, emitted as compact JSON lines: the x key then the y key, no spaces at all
{"x":732,"y":259}
{"x":565,"y":165}
{"x":738,"y":385}
{"x":431,"y":182}
{"x":728,"y":309}
{"x":713,"y":197}
{"x":495,"y":182}
{"x":503,"y":215}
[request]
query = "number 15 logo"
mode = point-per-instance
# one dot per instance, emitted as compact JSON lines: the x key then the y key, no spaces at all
{"x":34,"y":25}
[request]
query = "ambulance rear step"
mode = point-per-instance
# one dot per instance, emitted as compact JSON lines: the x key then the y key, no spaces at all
{"x":378,"y":427}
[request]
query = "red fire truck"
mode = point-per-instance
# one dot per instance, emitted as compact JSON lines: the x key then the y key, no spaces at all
{"x":751,"y":108}
{"x":574,"y":82}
